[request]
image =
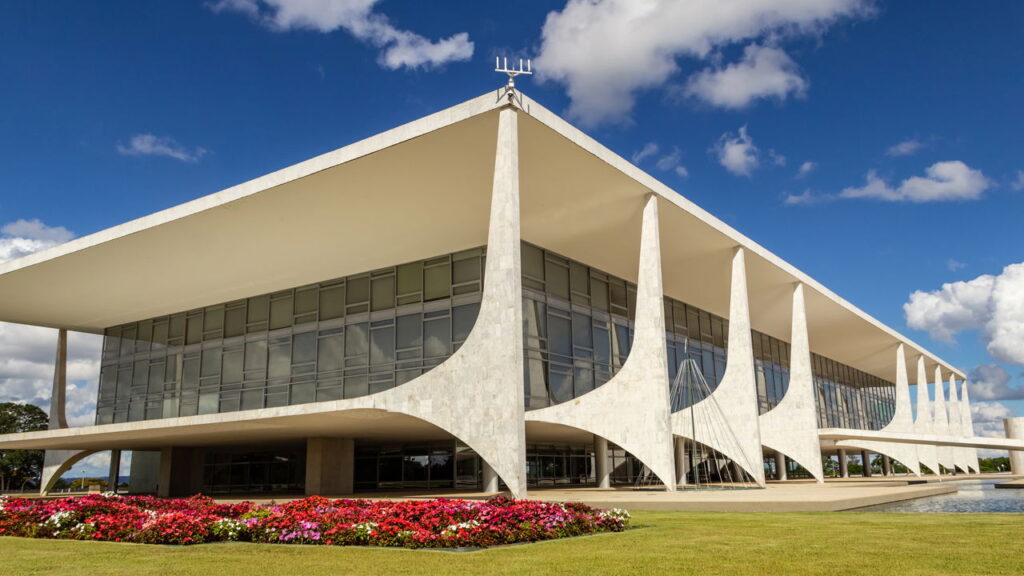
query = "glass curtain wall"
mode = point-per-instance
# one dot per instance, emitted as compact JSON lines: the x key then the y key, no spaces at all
{"x":342,"y":338}
{"x":577,"y":326}
{"x":700,"y":335}
{"x":849,"y":398}
{"x":771,"y":370}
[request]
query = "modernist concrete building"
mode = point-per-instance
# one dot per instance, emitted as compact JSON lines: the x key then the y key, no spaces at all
{"x":484,"y":296}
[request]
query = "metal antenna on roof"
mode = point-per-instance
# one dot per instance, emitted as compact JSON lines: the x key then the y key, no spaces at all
{"x":501,"y":66}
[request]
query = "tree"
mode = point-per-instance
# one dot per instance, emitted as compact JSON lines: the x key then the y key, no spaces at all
{"x":20,"y":467}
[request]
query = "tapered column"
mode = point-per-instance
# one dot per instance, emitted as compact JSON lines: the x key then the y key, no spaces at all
{"x":682,"y":461}
{"x":865,"y":462}
{"x":886,"y":466}
{"x":632,"y":409}
{"x":602,"y":467}
{"x":902,"y":422}
{"x":56,"y":462}
{"x":780,"y":466}
{"x":927,"y":454}
{"x":735,"y":398}
{"x":844,"y":464}
{"x":960,"y":455}
{"x":115,"y":471}
{"x":792,"y":426}
{"x":940,"y":422}
{"x":490,"y":478}
{"x":967,"y":424}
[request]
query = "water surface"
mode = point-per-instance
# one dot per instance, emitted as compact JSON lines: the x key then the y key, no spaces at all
{"x":972,"y":496}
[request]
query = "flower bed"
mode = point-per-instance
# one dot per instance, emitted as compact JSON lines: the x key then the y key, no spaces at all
{"x":439,"y":523}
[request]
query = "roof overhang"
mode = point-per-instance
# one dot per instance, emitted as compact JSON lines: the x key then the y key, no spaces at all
{"x":416,"y":191}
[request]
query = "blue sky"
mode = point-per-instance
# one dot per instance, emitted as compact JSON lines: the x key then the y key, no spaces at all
{"x":115,"y":110}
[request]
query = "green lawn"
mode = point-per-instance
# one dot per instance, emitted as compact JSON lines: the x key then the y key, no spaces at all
{"x":661,"y":543}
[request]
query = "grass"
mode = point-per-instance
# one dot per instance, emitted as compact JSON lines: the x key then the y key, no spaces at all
{"x":666,"y":543}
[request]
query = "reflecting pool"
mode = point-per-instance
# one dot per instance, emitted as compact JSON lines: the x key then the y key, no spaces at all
{"x":972,"y":496}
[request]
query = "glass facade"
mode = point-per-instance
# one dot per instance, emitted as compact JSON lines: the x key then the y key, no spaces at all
{"x":249,"y":470}
{"x":577,"y":326}
{"x":369,"y":332}
{"x":849,"y":398}
{"x":342,"y":338}
{"x":771,"y":370}
{"x":415,"y":465}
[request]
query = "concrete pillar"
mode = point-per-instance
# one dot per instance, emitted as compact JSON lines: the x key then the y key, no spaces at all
{"x":927,"y":454}
{"x":181,"y":472}
{"x":780,"y":466}
{"x":886,"y":466}
{"x":844,"y":470}
{"x":330,"y":466}
{"x":940,"y":422}
{"x":865,"y":462}
{"x":682,"y":461}
{"x":1015,"y":429}
{"x":737,"y":390}
{"x":115,"y":470}
{"x":490,"y":477}
{"x":967,"y":423}
{"x":602,"y":465}
{"x":792,"y":426}
{"x":58,"y":397}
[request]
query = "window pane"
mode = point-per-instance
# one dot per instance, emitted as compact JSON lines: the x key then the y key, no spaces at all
{"x":281,"y":312}
{"x":410,"y":278}
{"x":557,"y":279}
{"x":332,"y":302}
{"x":383,"y":349}
{"x":582,"y":334}
{"x":437,"y":282}
{"x":463,"y":318}
{"x":599,"y":294}
{"x":332,"y":352}
{"x":211,"y":362}
{"x":258,"y":308}
{"x":410,"y":331}
{"x":356,"y":340}
{"x":358,"y":290}
{"x":383,"y":293}
{"x":304,"y":348}
{"x":437,"y":338}
{"x":305,"y":300}
{"x":280,"y":364}
{"x":256,"y":355}
{"x":580,"y":278}
{"x":559,"y":335}
{"x":232,"y":372}
{"x":234,"y":322}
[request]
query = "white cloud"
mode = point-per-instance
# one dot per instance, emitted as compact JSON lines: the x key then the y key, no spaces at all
{"x":604,"y":53}
{"x":23,"y":237}
{"x":943,"y":181}
{"x":992,"y":304}
{"x":992,"y":382}
{"x":150,"y":145}
{"x":649,"y":149}
{"x":27,"y":352}
{"x":805,"y":169}
{"x":904,"y":148}
{"x":681,"y":171}
{"x":807,"y":197}
{"x":954,"y":265}
{"x":988,"y":418}
{"x":737,"y":153}
{"x":763,"y":72}
{"x":1018,"y":184}
{"x":398,"y":48}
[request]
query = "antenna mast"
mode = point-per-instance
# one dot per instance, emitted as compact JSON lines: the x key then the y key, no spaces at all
{"x":501,"y":66}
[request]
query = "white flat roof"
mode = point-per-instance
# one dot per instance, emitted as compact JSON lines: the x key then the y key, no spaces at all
{"x":416,"y":191}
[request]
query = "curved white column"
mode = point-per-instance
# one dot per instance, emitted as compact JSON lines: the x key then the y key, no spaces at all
{"x":940,"y":421}
{"x":960,"y":455}
{"x":56,"y":462}
{"x":902,"y":422}
{"x":792,"y":426}
{"x":736,"y":394}
{"x":632,"y":409}
{"x":967,"y":427}
{"x":926,"y":454}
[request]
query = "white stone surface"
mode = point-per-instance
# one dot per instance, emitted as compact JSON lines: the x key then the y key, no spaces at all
{"x":902,"y":422}
{"x":792,"y":426}
{"x":960,"y":455}
{"x":632,"y":409}
{"x":57,"y":462}
{"x":940,"y":421}
{"x":927,"y":455}
{"x":736,"y":394}
{"x":967,"y":426}
{"x":1015,"y":429}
